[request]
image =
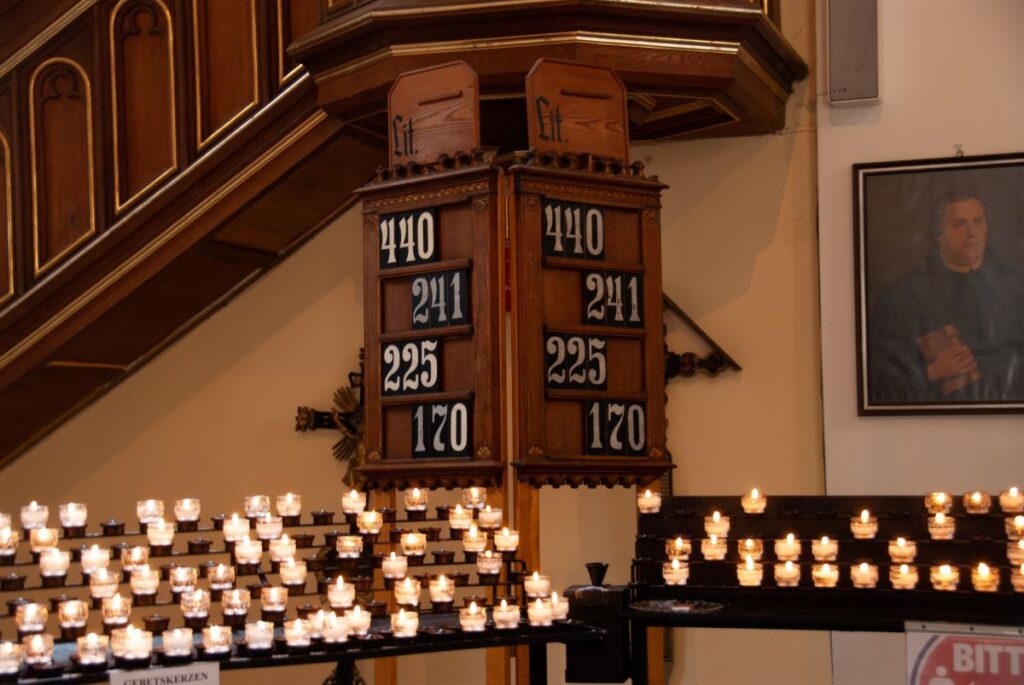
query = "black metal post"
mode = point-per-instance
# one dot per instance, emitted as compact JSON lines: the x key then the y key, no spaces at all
{"x":638,"y":633}
{"x":539,"y":664}
{"x":346,"y":673}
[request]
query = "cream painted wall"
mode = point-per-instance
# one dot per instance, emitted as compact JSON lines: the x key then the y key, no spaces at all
{"x":950,"y":73}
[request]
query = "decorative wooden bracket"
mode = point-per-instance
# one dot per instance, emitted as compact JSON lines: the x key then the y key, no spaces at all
{"x":687,"y":364}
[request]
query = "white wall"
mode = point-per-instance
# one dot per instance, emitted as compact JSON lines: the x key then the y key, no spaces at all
{"x":951,"y":72}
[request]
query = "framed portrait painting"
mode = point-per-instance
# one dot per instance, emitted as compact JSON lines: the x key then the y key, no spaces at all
{"x":940,"y":285}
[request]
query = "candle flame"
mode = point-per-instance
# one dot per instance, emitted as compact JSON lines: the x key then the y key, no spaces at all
{"x":901,"y":542}
{"x":474,"y":492}
{"x":790,"y":538}
{"x":714,"y":539}
{"x":554,"y":598}
{"x":488,"y":508}
{"x":1018,"y":521}
{"x":416,"y":493}
{"x":750,"y":563}
{"x":392,"y":556}
{"x":539,"y":604}
{"x":863,"y":567}
{"x":1014,"y":491}
{"x":824,"y":539}
{"x":754,"y":494}
{"x":945,"y":570}
{"x":504,"y":605}
{"x":865,"y":516}
{"x":92,"y":639}
{"x":825,"y":568}
{"x":408,"y":584}
{"x":976,"y":497}
{"x":904,"y":569}
{"x":983,"y":570}
{"x":647,"y":493}
{"x":536,"y":576}
{"x":789,"y":566}
{"x":940,"y":497}
{"x":675,"y":565}
{"x":458,"y":509}
{"x":442,"y":580}
{"x":473,"y":608}
{"x":940,"y":518}
{"x":357,"y":611}
{"x":504,"y":531}
{"x":340,"y":582}
{"x":749,"y":543}
{"x":716,"y":517}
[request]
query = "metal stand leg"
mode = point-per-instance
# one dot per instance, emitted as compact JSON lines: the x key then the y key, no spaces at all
{"x":346,"y":673}
{"x":638,"y":650}
{"x":538,"y":664}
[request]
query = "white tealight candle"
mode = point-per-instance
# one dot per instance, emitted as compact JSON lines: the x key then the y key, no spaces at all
{"x":222,"y":577}
{"x":442,"y":590}
{"x":257,"y":505}
{"x":407,"y":592}
{"x":54,"y":563}
{"x":341,"y":595}
{"x":1011,"y":501}
{"x":38,"y":649}
{"x":474,"y":498}
{"x":349,"y":546}
{"x":269,"y":527}
{"x":216,"y":639}
{"x":941,"y":526}
{"x":72,"y":613}
{"x":787,"y":574}
{"x":293,"y":572}
{"x":298,"y":633}
{"x":10,"y":658}
{"x":187,"y":510}
{"x":864,"y":526}
{"x":92,"y":649}
{"x":977,"y":502}
{"x":459,"y":518}
{"x":248,"y":552}
{"x":679,"y":548}
{"x":506,"y":540}
{"x":945,"y":577}
{"x":31,"y":617}
{"x":145,"y":581}
{"x":902,"y":551}
{"x":537,"y":585}
{"x":1015,"y":552}
{"x":559,"y":607}
{"x":749,"y":573}
{"x":675,"y":572}
{"x":94,"y":558}
{"x":864,"y":575}
{"x":1015,"y":527}
{"x":370,"y":522}
{"x":148,"y":510}
{"x":716,"y":524}
{"x":103,"y":583}
{"x":472,"y":619}
{"x":34,"y":515}
{"x":414,"y":544}
{"x":395,"y":566}
{"x":160,"y":533}
{"x":648,"y":502}
{"x":235,"y":528}
{"x":488,"y":563}
{"x":354,"y":502}
{"x":935,"y":502}
{"x":8,"y":542}
{"x":825,"y":549}
{"x":42,"y":538}
{"x":753,"y":502}
{"x":1017,"y":578}
{"x":177,"y":642}
{"x":506,"y":616}
{"x":489,"y":518}
{"x":274,"y":599}
{"x":404,"y":624}
{"x":416,"y":500}
{"x":473,"y":540}
{"x":984,"y":578}
{"x":289,"y":504}
{"x":538,"y":612}
{"x":787,"y":548}
{"x":825,"y":575}
{"x":750,"y":547}
{"x":358,"y":620}
{"x":236,"y":602}
{"x":73,"y":515}
{"x":134,"y":644}
{"x":259,"y":636}
{"x":284,"y":547}
{"x":116,"y":610}
{"x":712,"y":548}
{"x":333,"y":629}
{"x":183,"y":578}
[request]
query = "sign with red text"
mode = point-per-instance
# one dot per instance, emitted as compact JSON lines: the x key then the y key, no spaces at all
{"x":977,"y":657}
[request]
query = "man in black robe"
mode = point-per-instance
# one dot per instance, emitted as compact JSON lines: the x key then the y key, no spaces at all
{"x":951,"y":330}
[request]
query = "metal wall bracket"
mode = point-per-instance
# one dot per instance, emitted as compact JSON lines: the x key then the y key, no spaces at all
{"x":687,"y":364}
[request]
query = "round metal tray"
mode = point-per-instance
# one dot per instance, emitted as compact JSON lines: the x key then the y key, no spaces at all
{"x":676,"y":606}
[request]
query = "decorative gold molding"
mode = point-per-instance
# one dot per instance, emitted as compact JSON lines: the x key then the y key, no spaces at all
{"x":120,"y":205}
{"x":39,"y":268}
{"x":44,"y":36}
{"x":201,"y":140}
{"x":283,"y":78}
{"x":5,"y":151}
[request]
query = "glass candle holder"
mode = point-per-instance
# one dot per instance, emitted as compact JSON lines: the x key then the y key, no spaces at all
{"x":257,"y":505}
{"x":316,"y":623}
{"x":750,"y":547}
{"x":259,"y":636}
{"x":103,"y":583}
{"x":675,"y":572}
{"x":459,"y":518}
{"x":93,"y":559}
{"x":941,"y":526}
{"x":145,"y":581}
{"x":903,"y":577}
{"x":864,"y":526}
{"x":536,"y":585}
{"x":269,"y":527}
{"x":92,"y":649}
{"x":474,"y":498}
{"x":679,"y":548}
{"x":31,"y":617}
{"x":134,"y":557}
{"x":116,"y":610}
{"x":274,"y":599}
{"x":34,"y":515}
{"x":559,"y":607}
{"x":54,"y":563}
{"x":474,"y":540}
{"x":235,"y":528}
{"x":72,"y":613}
{"x":131,"y":643}
{"x":977,"y":502}
{"x":8,"y":542}
{"x":1015,"y":552}
{"x":187,"y":510}
{"x":183,"y":578}
{"x":394,"y":566}
{"x":349,"y":546}
{"x":284,"y":547}
{"x":1015,"y":527}
{"x":354,"y":502}
{"x":42,"y":538}
{"x":713,"y":548}
{"x":787,"y":574}
{"x":5,"y":520}
{"x":160,"y":533}
{"x":1017,"y":578}
{"x":414,"y":544}
{"x":506,"y":616}
{"x":293,"y":572}
{"x":10,"y":658}
{"x":716,"y":524}
{"x":985,"y":578}
{"x":902,"y":551}
{"x":753,"y":502}
{"x":538,"y":612}
{"x":236,"y":602}
{"x":648,"y":502}
{"x":370,"y":522}
{"x":38,"y":649}
{"x":1011,"y":501}
{"x":934,"y":502}
{"x":864,"y":575}
{"x":195,"y":604}
{"x":488,"y":563}
{"x":824,"y":575}
{"x":749,"y":573}
{"x":177,"y":643}
{"x":407,"y":592}
{"x":73,"y":515}
{"x":289,"y":504}
{"x":506,"y":540}
{"x":341,"y":595}
{"x":248,"y":552}
{"x":472,"y":619}
{"x":222,"y":577}
{"x":945,"y":577}
{"x":298,"y":633}
{"x":442,"y":590}
{"x":416,"y":500}
{"x":489,"y":518}
{"x":825,"y":549}
{"x":404,"y":624}
{"x":333,"y":628}
{"x":358,"y":620}
{"x":149,"y":510}
{"x":216,"y":639}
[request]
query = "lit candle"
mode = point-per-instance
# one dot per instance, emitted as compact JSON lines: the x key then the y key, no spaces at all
{"x":977,"y":502}
{"x":716,"y":524}
{"x":10,"y":658}
{"x":537,"y":585}
{"x":248,"y":552}
{"x":787,"y":574}
{"x":864,"y":526}
{"x":235,"y":528}
{"x":103,"y":583}
{"x":474,"y":498}
{"x":34,"y":515}
{"x":94,"y":558}
{"x":354,"y":502}
{"x":473,"y":541}
{"x":92,"y":649}
{"x":216,"y":639}
{"x":489,"y":518}
{"x":414,"y":544}
{"x":144,"y":581}
{"x":648,"y":502}
{"x":488,"y":563}
{"x":298,"y":633}
{"x":675,"y":572}
{"x":54,"y":563}
{"x":680,"y":548}
{"x":257,"y":505}
{"x":42,"y":538}
{"x":539,"y":612}
{"x":415,"y":500}
{"x":349,"y":546}
{"x":329,"y":627}
{"x":73,"y":515}
{"x":824,"y":575}
{"x":787,"y":548}
{"x":274,"y":599}
{"x":195,"y":604}
{"x":404,"y":624}
{"x":72,"y":613}
{"x":1015,"y":527}
{"x":407,"y":592}
{"x":222,"y":577}
{"x":1015,"y":552}
{"x":753,"y":502}
{"x":395,"y":566}
{"x":370,"y":522}
{"x":116,"y":610}
{"x":236,"y":602}
{"x":8,"y":542}
{"x":1017,"y":578}
{"x":31,"y":617}
{"x":160,"y":533}
{"x":713,"y":548}
{"x":984,"y":578}
{"x":559,"y":607}
{"x":472,"y":619}
{"x":935,"y":502}
{"x":442,"y":590}
{"x":183,"y":578}
{"x":269,"y":527}
{"x":341,"y":595}
{"x":284,"y":547}
{"x":5,"y":520}
{"x":148,"y":510}
{"x":358,"y":620}
{"x":750,"y":547}
{"x":1011,"y":501}
{"x":864,"y":575}
{"x":38,"y":649}
{"x":187,"y":510}
{"x":259,"y":636}
{"x":506,"y":540}
{"x":506,"y":616}
{"x":293,"y":572}
{"x":177,"y":643}
{"x":459,"y":518}
{"x":825,"y":549}
{"x":749,"y":573}
{"x":941,"y":526}
{"x":289,"y":504}
{"x":902,"y":551}
{"x":945,"y":577}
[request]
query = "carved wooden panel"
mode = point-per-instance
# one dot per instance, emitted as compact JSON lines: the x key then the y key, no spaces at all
{"x":61,"y":152}
{"x":6,"y":222}
{"x":226,"y":61}
{"x":144,"y":97}
{"x":295,"y":18}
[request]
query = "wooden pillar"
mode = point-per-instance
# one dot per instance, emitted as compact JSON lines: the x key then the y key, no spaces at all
{"x":498,"y":660}
{"x":385,"y":671}
{"x":528,"y":523}
{"x":655,"y":651}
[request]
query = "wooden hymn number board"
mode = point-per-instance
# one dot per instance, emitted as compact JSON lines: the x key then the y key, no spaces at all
{"x":433,"y":262}
{"x":586,"y":290}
